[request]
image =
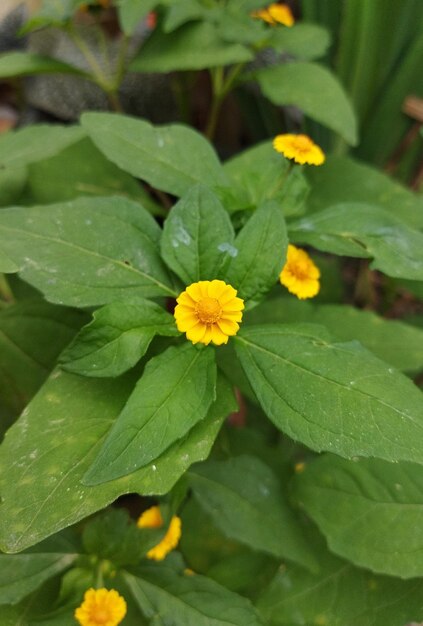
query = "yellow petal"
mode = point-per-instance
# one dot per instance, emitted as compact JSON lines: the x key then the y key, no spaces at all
{"x":196,"y":333}
{"x":236,"y":304}
{"x":194,"y":291}
{"x":227,"y":295}
{"x":233,"y":316}
{"x":185,"y":299}
{"x":228,"y":327}
{"x":218,"y":337}
{"x":216,"y":289}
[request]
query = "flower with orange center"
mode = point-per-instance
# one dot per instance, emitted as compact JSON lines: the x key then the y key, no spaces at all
{"x":101,"y":607}
{"x":152,"y":518}
{"x":209,"y":311}
{"x":299,"y":274}
{"x":275,"y":14}
{"x":300,"y":148}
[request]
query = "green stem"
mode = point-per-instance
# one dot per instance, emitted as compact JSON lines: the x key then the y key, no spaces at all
{"x":220,"y":88}
{"x":98,"y":576}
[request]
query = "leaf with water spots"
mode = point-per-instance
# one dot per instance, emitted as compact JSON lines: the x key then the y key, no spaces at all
{"x":46,"y":453}
{"x":87,"y":252}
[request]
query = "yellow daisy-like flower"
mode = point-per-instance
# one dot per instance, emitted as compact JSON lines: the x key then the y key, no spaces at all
{"x":300,"y":148}
{"x":299,"y":274}
{"x":101,"y":607}
{"x":152,"y":518}
{"x":274,"y":14}
{"x":209,"y":311}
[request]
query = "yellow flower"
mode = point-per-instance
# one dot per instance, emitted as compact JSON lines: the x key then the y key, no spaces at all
{"x":275,"y":13}
{"x":299,"y":274}
{"x":101,"y":607}
{"x":152,"y":518}
{"x":300,"y":148}
{"x":209,"y":311}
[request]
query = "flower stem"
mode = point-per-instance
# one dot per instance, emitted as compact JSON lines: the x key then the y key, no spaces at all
{"x":221,"y":86}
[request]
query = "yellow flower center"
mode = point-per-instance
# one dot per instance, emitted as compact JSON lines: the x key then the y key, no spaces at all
{"x":303,"y":143}
{"x":100,"y":616}
{"x":300,"y":269}
{"x":208,"y":310}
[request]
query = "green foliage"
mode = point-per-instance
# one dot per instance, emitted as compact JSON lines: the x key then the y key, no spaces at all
{"x":370,"y":511}
{"x":27,"y":64}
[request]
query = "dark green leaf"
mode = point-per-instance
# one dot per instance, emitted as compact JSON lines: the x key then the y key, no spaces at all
{"x":117,"y":338}
{"x":169,"y":597}
{"x":87,"y":252}
{"x":57,"y":438}
{"x":397,"y":343}
{"x":32,"y":335}
{"x":174,"y":393}
{"x":315,"y":90}
{"x":304,"y":41}
{"x":341,"y":179}
{"x":365,"y":230}
{"x":261,"y":246}
{"x":26,"y":64}
{"x":340,"y":595}
{"x":81,"y":170}
{"x":34,"y":143}
{"x":332,"y":396}
{"x":171,"y":158}
{"x":197,"y":236}
{"x":370,"y":511}
{"x":245,"y":500}
{"x":12,"y":183}
{"x":22,"y":573}
{"x":193,"y":46}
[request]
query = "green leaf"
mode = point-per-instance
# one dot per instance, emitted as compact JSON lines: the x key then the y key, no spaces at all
{"x":12,"y":183}
{"x":303,"y":41}
{"x":174,"y":393}
{"x":22,"y":573}
{"x":169,"y":597}
{"x":237,"y":26}
{"x":131,"y":12}
{"x":81,"y":170}
{"x":193,"y":46}
{"x":30,"y":608}
{"x":34,"y":143}
{"x":53,"y":13}
{"x":181,"y":11}
{"x":57,"y":438}
{"x":7,"y":266}
{"x":339,"y":595}
{"x":364,"y":230}
{"x":261,"y":245}
{"x":32,"y":335}
{"x":87,"y":252}
{"x":117,"y":337}
{"x":27,"y":64}
{"x":315,"y":90}
{"x":397,"y":343}
{"x":341,"y":179}
{"x":245,"y":500}
{"x":332,"y":396}
{"x":370,"y":511}
{"x":197,"y":236}
{"x":171,"y":158}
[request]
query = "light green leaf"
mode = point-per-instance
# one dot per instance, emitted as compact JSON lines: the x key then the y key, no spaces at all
{"x":397,"y":343}
{"x":26,"y":64}
{"x":193,"y":46}
{"x":81,"y":170}
{"x":170,"y":597}
{"x":332,"y":396}
{"x":57,"y":438}
{"x":341,"y":179}
{"x":182,"y":11}
{"x":34,"y":143}
{"x":246,"y":501}
{"x":365,"y":230}
{"x":173,"y":394}
{"x":7,"y":266}
{"x":117,"y":337}
{"x":53,"y":13}
{"x":87,"y":252}
{"x":313,"y":89}
{"x":261,"y":245}
{"x":237,"y":26}
{"x":303,"y":41}
{"x":32,"y":335}
{"x":197,"y":236}
{"x":370,"y":511}
{"x":339,"y":595}
{"x":22,"y":573}
{"x":171,"y":158}
{"x":131,"y":12}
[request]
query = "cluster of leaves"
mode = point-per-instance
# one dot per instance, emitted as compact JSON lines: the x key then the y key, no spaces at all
{"x":308,"y":514}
